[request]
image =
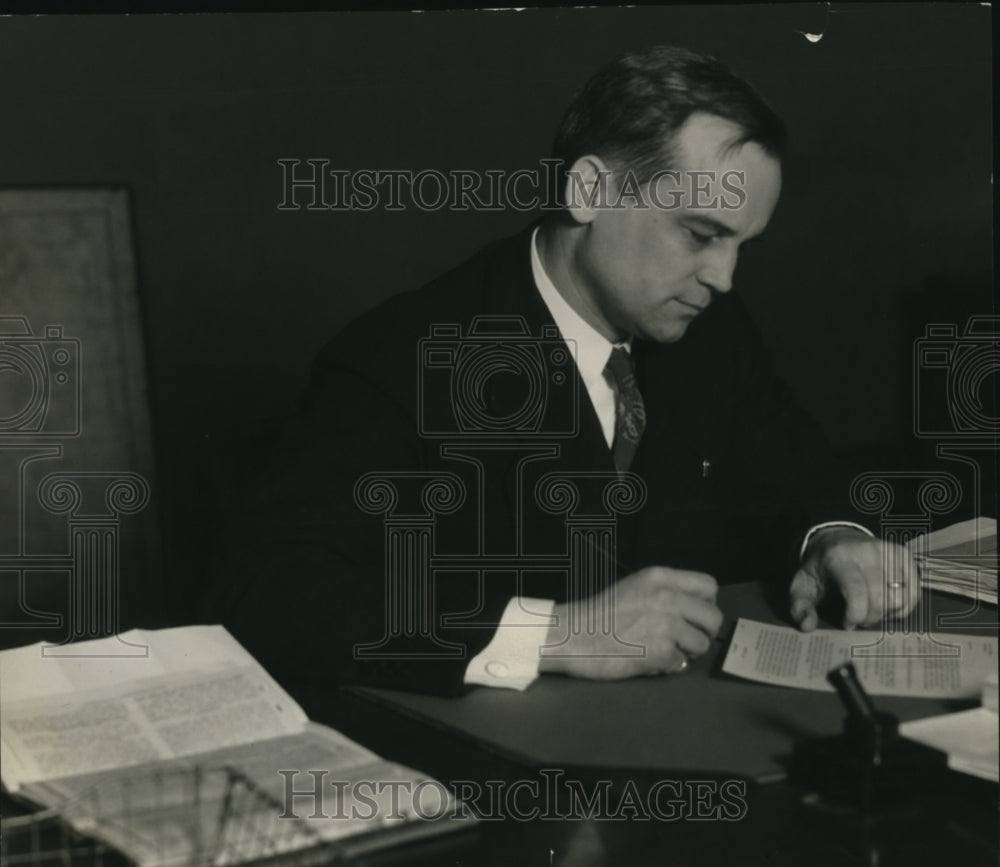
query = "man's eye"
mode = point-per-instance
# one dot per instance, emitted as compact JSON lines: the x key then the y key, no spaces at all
{"x":700,"y":237}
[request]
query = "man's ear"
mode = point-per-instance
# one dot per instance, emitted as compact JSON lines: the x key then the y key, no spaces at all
{"x":587,"y":190}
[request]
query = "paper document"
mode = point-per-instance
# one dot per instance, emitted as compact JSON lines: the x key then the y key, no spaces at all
{"x":971,"y":738}
{"x":185,"y":753}
{"x":196,"y":690}
{"x":941,"y":665}
{"x":960,"y":559}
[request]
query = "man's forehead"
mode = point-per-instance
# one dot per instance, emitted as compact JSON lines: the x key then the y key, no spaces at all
{"x":730,"y":189}
{"x":705,"y":141}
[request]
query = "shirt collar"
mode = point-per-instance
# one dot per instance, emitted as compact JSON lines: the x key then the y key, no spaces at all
{"x":590,"y":348}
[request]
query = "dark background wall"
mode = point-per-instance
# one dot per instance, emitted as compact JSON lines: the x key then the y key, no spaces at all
{"x":885,"y":222}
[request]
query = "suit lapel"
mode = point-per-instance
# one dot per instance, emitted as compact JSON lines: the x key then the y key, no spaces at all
{"x":565,"y":436}
{"x":678,"y":453}
{"x":673,"y":393}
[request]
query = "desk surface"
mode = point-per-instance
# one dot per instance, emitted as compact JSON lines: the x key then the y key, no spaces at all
{"x":704,"y":722}
{"x":700,"y":724}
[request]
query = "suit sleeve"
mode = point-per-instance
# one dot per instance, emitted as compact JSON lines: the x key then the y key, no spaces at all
{"x":302,"y":581}
{"x":787,"y":478}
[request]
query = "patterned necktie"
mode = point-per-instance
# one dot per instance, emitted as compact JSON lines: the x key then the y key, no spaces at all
{"x":630,"y":412}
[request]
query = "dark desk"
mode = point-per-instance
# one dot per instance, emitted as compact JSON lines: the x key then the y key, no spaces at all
{"x":702,"y":722}
{"x":691,"y":735}
{"x":703,"y":725}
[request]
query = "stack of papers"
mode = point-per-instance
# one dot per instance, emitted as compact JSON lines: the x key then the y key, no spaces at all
{"x":971,"y":738}
{"x":960,"y":559}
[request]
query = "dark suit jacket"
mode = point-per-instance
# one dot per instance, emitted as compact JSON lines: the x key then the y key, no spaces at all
{"x":733,"y":471}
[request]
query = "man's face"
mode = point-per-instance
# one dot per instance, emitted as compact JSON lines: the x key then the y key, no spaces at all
{"x":649,"y":271}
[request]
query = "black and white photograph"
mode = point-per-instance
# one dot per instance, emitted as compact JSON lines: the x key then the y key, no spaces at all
{"x":558,"y":436}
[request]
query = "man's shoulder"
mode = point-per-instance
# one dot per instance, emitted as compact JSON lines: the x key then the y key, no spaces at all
{"x":470,"y":289}
{"x":383,"y":346}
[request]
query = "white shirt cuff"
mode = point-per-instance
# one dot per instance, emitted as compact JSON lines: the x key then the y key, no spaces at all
{"x":511,"y":659}
{"x":818,"y":527}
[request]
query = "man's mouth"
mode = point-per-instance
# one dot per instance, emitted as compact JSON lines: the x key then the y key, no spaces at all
{"x":693,"y":307}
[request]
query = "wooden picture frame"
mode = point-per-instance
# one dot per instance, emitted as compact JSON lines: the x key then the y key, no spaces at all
{"x":79,"y":542}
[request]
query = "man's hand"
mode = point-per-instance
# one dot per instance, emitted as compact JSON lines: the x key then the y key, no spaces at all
{"x":877,"y":579}
{"x":670,"y":613}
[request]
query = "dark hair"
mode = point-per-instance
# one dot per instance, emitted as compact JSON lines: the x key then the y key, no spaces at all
{"x":628,"y":113}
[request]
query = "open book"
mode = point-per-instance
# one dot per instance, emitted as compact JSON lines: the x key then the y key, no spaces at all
{"x":186,"y":751}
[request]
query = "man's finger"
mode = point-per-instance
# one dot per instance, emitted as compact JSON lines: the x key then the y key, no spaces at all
{"x":692,"y":640}
{"x":699,"y":584}
{"x":804,"y":593}
{"x":683,"y":662}
{"x":700,"y":613}
{"x":902,"y":585}
{"x":804,"y":614}
{"x":857,"y":600}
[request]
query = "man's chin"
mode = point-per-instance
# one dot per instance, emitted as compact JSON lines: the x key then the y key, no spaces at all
{"x":666,"y":332}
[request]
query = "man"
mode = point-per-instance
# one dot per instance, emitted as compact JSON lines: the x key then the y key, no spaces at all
{"x":527,"y":557}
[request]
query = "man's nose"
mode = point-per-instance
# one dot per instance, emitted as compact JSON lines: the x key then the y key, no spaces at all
{"x":717,"y":270}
